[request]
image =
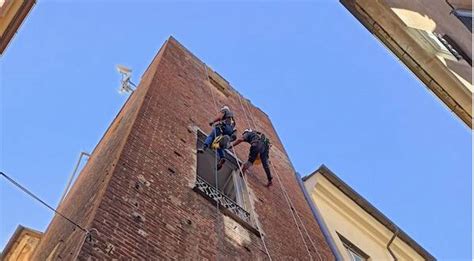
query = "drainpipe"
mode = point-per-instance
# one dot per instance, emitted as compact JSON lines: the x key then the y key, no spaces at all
{"x":395,"y":234}
{"x":73,"y":174}
{"x":319,"y":219}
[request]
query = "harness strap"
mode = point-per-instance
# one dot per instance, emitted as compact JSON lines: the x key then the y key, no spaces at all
{"x":263,"y":138}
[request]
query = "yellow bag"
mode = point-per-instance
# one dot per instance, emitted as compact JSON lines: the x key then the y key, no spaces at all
{"x":220,"y":142}
{"x":216,"y":143}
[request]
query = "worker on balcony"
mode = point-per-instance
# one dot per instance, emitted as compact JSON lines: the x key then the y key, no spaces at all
{"x":259,"y":150}
{"x":223,"y":124}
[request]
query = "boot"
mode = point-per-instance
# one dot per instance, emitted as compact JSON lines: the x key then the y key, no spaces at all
{"x":269,"y":183}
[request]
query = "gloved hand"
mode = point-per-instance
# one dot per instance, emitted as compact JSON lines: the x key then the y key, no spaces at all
{"x":211,"y":123}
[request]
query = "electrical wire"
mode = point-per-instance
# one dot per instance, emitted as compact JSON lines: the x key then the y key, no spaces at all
{"x":18,"y":185}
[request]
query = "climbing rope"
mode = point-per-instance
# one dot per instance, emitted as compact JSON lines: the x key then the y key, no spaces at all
{"x":262,"y":236}
{"x":285,"y":194}
{"x":215,"y":169}
{"x":307,"y":234}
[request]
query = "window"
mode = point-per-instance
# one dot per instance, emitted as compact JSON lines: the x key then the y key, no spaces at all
{"x":354,"y":255}
{"x":230,"y":191}
{"x":448,"y":47}
{"x":218,"y":81}
{"x":354,"y":252}
{"x":465,"y":16}
{"x":454,"y":48}
{"x":441,"y":45}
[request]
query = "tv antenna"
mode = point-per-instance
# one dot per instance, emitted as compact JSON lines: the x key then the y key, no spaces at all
{"x":125,"y":83}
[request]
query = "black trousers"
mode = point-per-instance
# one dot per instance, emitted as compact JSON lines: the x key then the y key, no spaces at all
{"x":260,"y":148}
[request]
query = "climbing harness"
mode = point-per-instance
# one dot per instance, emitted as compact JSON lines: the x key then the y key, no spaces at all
{"x":260,"y":138}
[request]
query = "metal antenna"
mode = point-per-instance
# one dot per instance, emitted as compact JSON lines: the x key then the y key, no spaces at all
{"x":125,"y":83}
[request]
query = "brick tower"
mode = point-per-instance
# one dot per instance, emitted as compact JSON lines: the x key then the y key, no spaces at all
{"x":146,"y":194}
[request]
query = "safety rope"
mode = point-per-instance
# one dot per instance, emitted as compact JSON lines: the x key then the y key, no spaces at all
{"x":295,"y":214}
{"x":262,"y":236}
{"x":215,"y":170}
{"x":288,"y":200}
{"x":243,"y":110}
{"x":307,"y":234}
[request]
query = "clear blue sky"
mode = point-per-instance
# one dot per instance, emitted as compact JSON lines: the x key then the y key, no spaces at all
{"x":335,"y":94}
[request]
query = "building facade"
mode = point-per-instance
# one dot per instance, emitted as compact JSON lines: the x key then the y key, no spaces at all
{"x":356,"y":228}
{"x":12,"y":14}
{"x":433,"y":38}
{"x":21,"y":245}
{"x":146,"y":194}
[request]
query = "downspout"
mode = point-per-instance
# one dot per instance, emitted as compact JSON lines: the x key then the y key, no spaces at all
{"x":395,"y":234}
{"x":319,"y":219}
{"x":73,"y":174}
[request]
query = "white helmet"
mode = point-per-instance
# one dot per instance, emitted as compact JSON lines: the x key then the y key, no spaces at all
{"x":225,"y":107}
{"x":247,"y":130}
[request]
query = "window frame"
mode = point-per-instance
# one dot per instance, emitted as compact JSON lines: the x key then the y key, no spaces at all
{"x":451,"y":44}
{"x":441,"y":45}
{"x":238,"y":209}
{"x":352,"y":249}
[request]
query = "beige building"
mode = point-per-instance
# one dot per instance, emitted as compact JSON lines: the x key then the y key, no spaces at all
{"x":12,"y":14}
{"x":432,"y":38}
{"x":21,"y":245}
{"x":354,"y":228}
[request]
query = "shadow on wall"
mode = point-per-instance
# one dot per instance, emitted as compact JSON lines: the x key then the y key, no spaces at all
{"x":442,"y":17}
{"x":436,"y":16}
{"x":461,"y":69}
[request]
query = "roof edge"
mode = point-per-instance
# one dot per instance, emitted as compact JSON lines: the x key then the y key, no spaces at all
{"x":18,"y":231}
{"x":369,"y":208}
{"x":172,"y":39}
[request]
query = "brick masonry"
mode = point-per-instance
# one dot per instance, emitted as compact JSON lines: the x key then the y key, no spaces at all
{"x":135,"y":193}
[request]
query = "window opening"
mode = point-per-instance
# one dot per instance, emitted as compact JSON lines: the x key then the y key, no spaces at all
{"x":454,"y":48}
{"x":438,"y":44}
{"x":355,"y":253}
{"x":218,"y":81}
{"x":231,"y":192}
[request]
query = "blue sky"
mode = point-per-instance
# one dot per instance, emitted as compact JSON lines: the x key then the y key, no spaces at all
{"x":335,"y":95}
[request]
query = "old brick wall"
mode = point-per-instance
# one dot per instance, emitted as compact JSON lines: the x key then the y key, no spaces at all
{"x":149,"y":210}
{"x":84,"y":197}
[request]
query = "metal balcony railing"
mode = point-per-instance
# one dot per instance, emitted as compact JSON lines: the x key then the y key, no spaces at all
{"x":216,"y":195}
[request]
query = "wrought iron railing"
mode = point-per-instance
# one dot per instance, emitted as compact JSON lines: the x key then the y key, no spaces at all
{"x":218,"y":196}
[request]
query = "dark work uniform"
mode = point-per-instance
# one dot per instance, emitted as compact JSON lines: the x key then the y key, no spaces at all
{"x":258,"y":146}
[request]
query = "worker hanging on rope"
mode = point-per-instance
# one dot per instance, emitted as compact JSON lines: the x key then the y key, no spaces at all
{"x":223,"y":130}
{"x":259,"y":150}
